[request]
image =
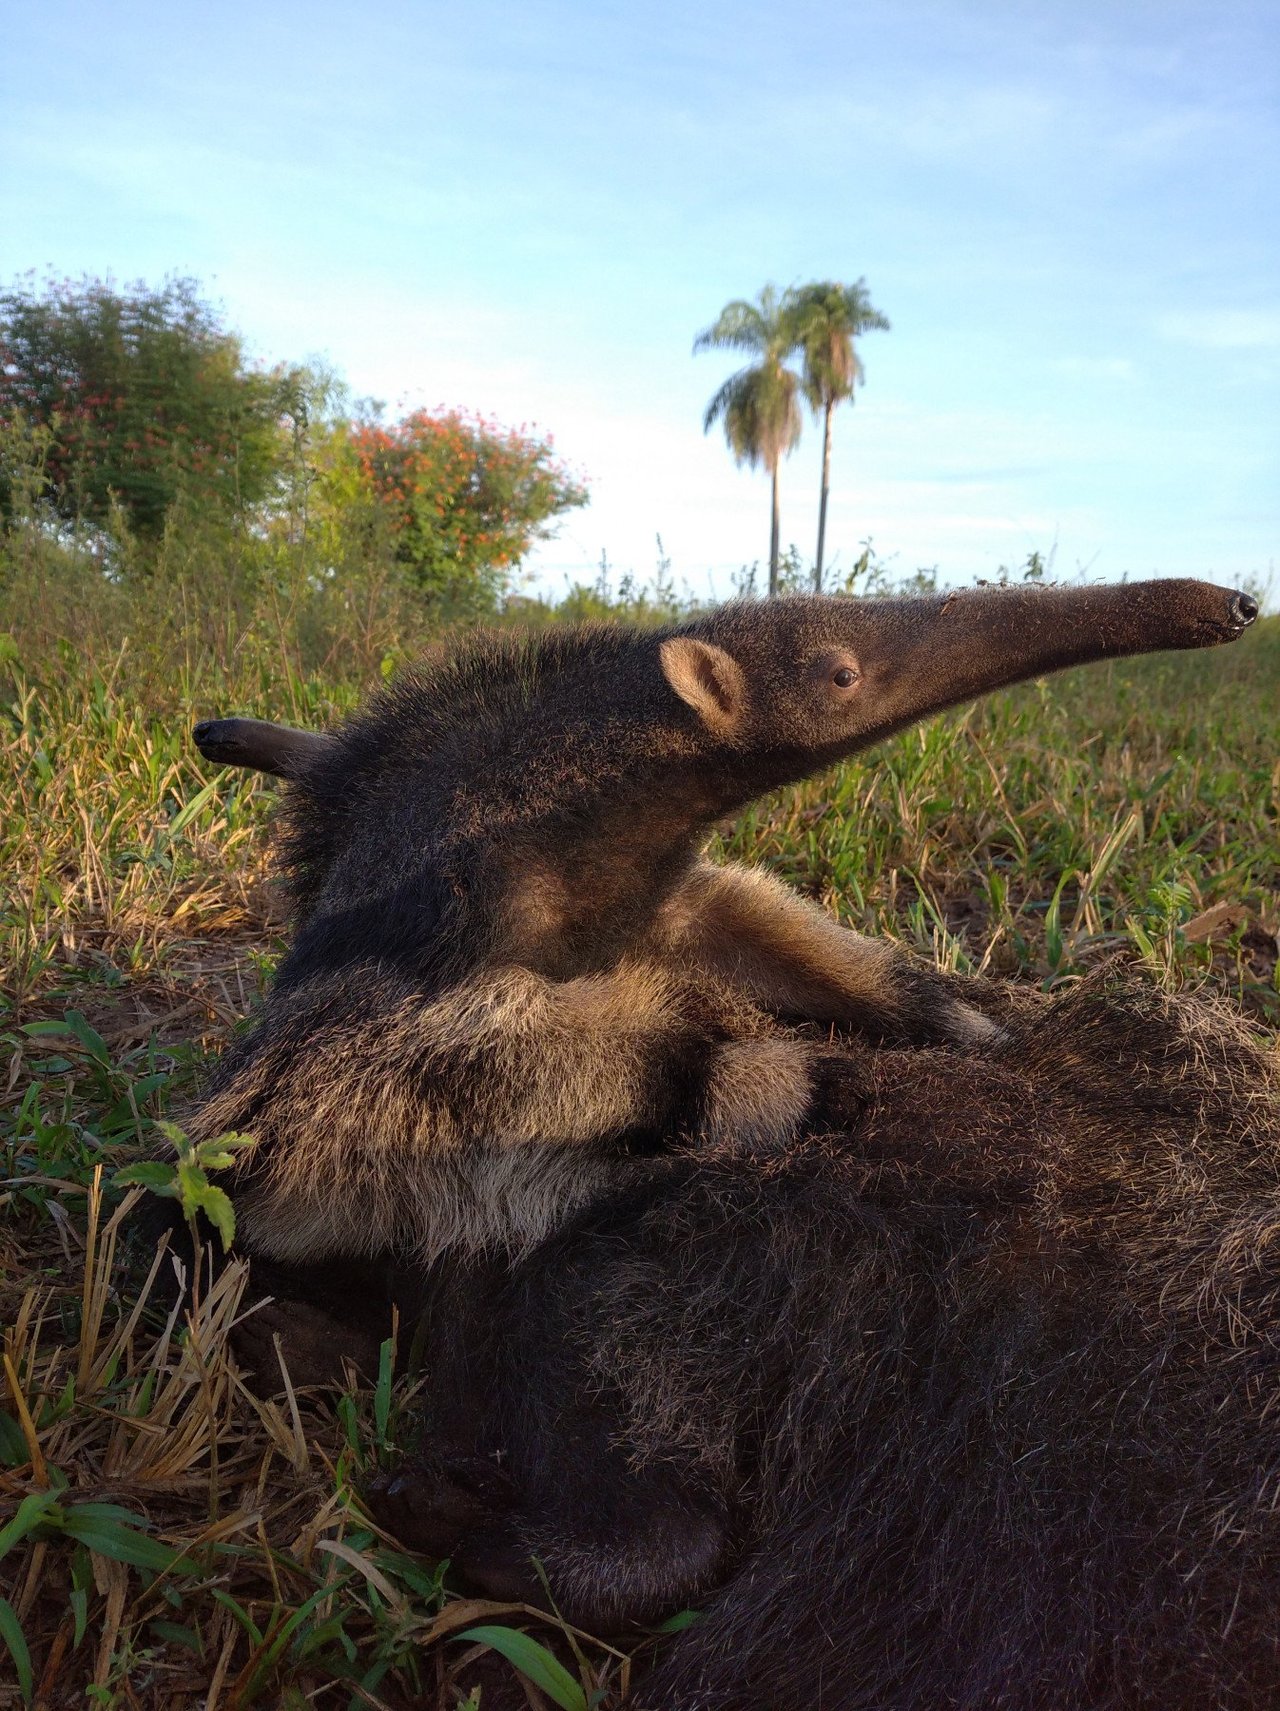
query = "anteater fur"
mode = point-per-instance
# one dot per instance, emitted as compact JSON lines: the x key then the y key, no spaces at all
{"x":513,"y":977}
{"x":975,"y":1406}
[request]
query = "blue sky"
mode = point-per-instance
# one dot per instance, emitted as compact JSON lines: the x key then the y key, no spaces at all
{"x":1070,"y":213}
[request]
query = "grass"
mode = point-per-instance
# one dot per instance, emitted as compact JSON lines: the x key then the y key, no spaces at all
{"x":168,"y":1539}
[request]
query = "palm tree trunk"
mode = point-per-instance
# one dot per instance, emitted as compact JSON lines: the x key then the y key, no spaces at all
{"x":773,"y":539}
{"x":822,"y":503}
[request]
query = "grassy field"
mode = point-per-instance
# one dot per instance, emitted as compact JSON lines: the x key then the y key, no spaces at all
{"x":168,"y":1539}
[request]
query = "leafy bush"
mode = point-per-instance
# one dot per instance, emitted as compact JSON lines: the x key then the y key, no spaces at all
{"x":139,"y":450}
{"x":463,"y":498}
{"x":143,"y":395}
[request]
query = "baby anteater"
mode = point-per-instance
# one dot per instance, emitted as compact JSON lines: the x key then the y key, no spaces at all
{"x":512,"y":975}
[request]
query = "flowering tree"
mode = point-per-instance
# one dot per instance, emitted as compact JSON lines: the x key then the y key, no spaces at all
{"x":115,"y":403}
{"x":143,"y":394}
{"x":463,"y":498}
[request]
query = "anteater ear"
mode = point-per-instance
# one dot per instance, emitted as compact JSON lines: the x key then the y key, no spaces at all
{"x":709,"y":679}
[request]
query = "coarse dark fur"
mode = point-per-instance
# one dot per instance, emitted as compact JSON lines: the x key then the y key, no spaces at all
{"x":512,"y":976}
{"x":975,"y":1406}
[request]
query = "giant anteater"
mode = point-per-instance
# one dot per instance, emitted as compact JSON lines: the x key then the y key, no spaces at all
{"x":976,"y":1405}
{"x":503,"y":934}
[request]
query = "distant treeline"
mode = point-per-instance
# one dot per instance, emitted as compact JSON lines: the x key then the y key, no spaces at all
{"x":138,"y":442}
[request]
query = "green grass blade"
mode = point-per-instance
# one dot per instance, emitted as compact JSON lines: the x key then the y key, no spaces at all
{"x":112,"y":1538}
{"x":241,"y":1615}
{"x":679,"y":1622}
{"x":198,"y":803}
{"x":36,"y":1507}
{"x":13,"y":1446}
{"x":12,"y":1635}
{"x":382,"y":1392}
{"x":532,"y":1659}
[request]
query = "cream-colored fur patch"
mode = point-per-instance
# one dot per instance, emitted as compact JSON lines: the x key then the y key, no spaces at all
{"x":466,"y":1119}
{"x":745,"y":927}
{"x":479,"y":1199}
{"x":758,"y":1091}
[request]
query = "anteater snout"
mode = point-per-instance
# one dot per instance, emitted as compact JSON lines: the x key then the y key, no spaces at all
{"x":215,"y":738}
{"x":1243,"y":609}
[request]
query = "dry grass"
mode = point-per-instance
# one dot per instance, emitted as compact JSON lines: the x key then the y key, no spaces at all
{"x":171,"y":1540}
{"x":188,"y":1542}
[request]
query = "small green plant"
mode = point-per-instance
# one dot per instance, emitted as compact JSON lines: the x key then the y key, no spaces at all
{"x":186,"y":1179}
{"x":1157,"y":930}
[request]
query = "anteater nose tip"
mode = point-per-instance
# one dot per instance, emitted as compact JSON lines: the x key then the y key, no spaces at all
{"x":1244,"y":608}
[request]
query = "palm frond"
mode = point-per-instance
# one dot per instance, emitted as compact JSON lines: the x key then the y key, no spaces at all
{"x":740,"y":326}
{"x":760,"y":411}
{"x":759,"y":404}
{"x":826,"y":317}
{"x":732,"y":395}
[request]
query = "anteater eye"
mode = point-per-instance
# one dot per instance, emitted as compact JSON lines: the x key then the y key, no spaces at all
{"x":845,"y":678}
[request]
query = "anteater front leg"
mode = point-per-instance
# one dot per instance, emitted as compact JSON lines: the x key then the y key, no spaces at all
{"x":745,"y":927}
{"x":607,"y":1545}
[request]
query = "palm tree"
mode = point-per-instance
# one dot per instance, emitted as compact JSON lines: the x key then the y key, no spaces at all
{"x":825,"y":318}
{"x":759,"y":405}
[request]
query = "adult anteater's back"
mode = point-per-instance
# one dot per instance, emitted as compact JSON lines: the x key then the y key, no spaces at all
{"x":983,"y":1397}
{"x":1021,"y":1443}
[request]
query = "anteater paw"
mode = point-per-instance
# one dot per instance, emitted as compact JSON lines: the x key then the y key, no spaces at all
{"x":930,"y":1008}
{"x":434,"y":1502}
{"x":842,"y":1093}
{"x":966,"y":1026}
